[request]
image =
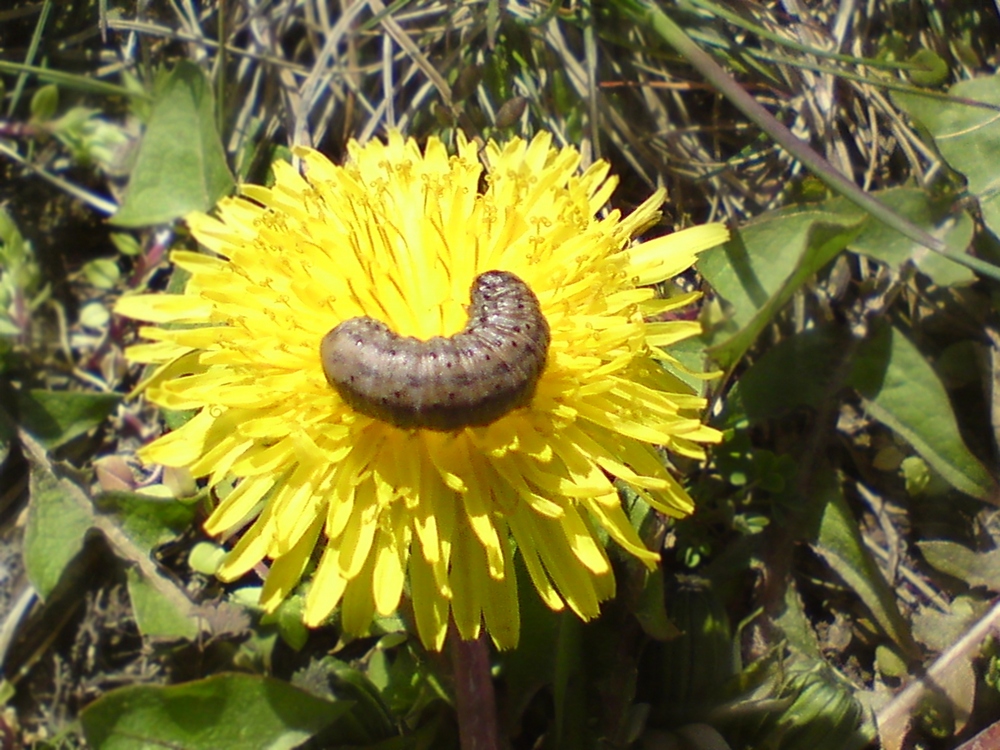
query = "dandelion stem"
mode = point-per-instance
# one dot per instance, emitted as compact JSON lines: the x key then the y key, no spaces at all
{"x":475,"y":702}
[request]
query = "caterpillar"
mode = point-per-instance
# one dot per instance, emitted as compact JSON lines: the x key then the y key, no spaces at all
{"x":473,"y":378}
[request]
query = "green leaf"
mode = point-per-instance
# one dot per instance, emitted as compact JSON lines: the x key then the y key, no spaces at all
{"x":769,"y":259}
{"x":967,"y":137}
{"x":147,"y":521}
{"x":939,"y":631}
{"x":939,"y":217}
{"x":126,"y":244}
{"x":102,"y":272}
{"x":291,"y":628}
{"x":95,"y":315}
{"x":975,"y":568}
{"x":889,"y":662}
{"x":651,"y":609}
{"x":410,"y":686}
{"x":934,"y":69}
{"x":531,"y":665}
{"x":839,"y":543}
{"x":20,"y":273}
{"x":568,"y":684}
{"x":56,"y":417}
{"x":44,"y":103}
{"x":181,"y":165}
{"x":134,"y":525}
{"x":902,"y":391}
{"x":799,"y":371}
{"x":156,"y":615}
{"x":795,"y":625}
{"x":59,"y":515}
{"x":916,"y":474}
{"x":694,"y":667}
{"x":223,"y":712}
{"x":763,"y":265}
{"x":370,"y":713}
{"x":206,"y":558}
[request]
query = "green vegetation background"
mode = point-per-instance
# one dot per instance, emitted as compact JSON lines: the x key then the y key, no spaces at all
{"x":835,"y":588}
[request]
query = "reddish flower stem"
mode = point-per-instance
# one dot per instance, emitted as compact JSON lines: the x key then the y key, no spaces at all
{"x":475,"y":702}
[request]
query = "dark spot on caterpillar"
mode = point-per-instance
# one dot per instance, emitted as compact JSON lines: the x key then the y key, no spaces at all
{"x":489,"y":368}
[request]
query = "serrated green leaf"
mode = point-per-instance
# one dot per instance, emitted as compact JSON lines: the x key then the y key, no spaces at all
{"x":902,"y":391}
{"x":939,"y":631}
{"x":223,"y":712}
{"x":181,"y":165}
{"x":60,"y":514}
{"x":795,"y":625}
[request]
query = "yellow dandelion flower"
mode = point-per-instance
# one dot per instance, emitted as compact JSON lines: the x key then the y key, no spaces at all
{"x":436,"y":508}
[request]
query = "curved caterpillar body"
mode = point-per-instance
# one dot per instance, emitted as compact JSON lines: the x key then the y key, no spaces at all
{"x":472,"y":378}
